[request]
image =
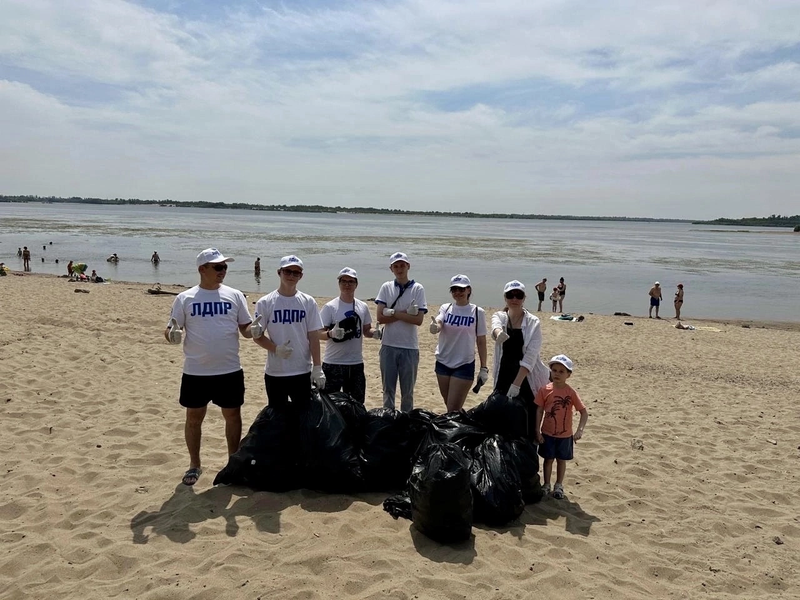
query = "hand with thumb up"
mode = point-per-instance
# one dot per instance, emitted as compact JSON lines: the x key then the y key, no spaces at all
{"x":434,"y":327}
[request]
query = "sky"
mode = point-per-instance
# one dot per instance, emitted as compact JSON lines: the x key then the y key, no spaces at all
{"x":617,"y":108}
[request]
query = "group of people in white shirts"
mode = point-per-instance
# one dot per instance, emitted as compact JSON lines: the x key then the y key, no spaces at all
{"x":209,"y":318}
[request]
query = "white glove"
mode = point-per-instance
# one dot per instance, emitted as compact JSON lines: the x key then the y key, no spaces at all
{"x":284,"y":350}
{"x":413,"y":310}
{"x":501,"y":337}
{"x":434,"y":326}
{"x":513,"y":391}
{"x":378,"y":333}
{"x":483,"y":375}
{"x":175,"y":333}
{"x":318,"y":377}
{"x":337,"y":333}
{"x":388,"y":312}
{"x":257,"y":328}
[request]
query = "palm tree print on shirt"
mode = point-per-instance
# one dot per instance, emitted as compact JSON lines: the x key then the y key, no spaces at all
{"x":558,"y":413}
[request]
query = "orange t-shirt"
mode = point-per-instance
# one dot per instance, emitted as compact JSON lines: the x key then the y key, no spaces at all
{"x":558,"y":405}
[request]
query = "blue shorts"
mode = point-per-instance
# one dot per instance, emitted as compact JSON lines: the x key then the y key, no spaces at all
{"x":465,"y":371}
{"x":553,"y":447}
{"x":654,"y":301}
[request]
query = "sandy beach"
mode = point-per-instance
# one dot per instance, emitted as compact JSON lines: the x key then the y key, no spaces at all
{"x":686,"y":484}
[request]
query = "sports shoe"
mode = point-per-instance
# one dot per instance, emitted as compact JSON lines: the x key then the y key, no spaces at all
{"x":558,"y":491}
{"x":546,"y":489}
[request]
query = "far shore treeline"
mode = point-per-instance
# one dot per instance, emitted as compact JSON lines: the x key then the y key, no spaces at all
{"x":771,"y":221}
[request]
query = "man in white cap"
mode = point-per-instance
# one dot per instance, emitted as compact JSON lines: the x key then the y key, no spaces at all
{"x":655,"y":299}
{"x":347,"y":322}
{"x":401,"y":309}
{"x":286,"y":324}
{"x":212,"y":316}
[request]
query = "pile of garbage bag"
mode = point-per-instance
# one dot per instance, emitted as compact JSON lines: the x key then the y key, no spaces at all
{"x":453,"y":468}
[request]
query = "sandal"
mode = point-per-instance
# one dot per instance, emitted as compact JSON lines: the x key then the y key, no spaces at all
{"x":558,"y":491}
{"x":191,"y":476}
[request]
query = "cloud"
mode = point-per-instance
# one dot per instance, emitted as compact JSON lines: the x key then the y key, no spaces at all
{"x":516,"y":106}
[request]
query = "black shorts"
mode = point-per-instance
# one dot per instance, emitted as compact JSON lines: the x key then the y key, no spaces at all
{"x":226,"y":391}
{"x":541,"y":296}
{"x":553,"y":447}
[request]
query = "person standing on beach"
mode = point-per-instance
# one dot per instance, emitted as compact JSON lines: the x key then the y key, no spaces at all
{"x":347,"y":322}
{"x":554,"y":297}
{"x":26,"y":259}
{"x":562,"y":291}
{"x":655,"y":299}
{"x":212,"y":316}
{"x":541,"y":288}
{"x":678,"y":302}
{"x":461,"y":327}
{"x":401,"y":309}
{"x":287,"y":326}
{"x":518,"y":368}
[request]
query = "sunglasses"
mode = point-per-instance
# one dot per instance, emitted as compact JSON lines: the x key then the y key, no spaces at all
{"x":293,"y":272}
{"x":348,"y":281}
{"x":516,"y":294}
{"x":456,"y":288}
{"x":220,"y":267}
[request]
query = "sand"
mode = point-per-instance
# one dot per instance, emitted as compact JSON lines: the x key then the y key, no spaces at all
{"x":685,"y":485}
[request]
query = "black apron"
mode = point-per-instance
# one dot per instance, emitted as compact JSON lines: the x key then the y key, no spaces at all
{"x":509,"y":369}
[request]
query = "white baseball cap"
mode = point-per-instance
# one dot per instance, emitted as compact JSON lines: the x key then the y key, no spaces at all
{"x":514,"y":285}
{"x":291,"y":261}
{"x":211,"y":255}
{"x":348,"y":272}
{"x":460,"y":281}
{"x":398,"y":256}
{"x":562,"y":359}
{"x":656,"y":283}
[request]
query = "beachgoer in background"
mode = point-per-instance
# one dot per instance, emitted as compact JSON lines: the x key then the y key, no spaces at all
{"x":461,"y":327}
{"x":3,"y":269}
{"x":155,"y":259}
{"x":290,"y":322}
{"x":401,"y":309}
{"x":69,"y":268}
{"x":518,"y":368}
{"x":554,"y":298}
{"x":347,"y":322}
{"x":26,"y":259}
{"x":113,"y":258}
{"x":257,"y":267}
{"x":44,"y":247}
{"x":19,"y":252}
{"x":554,"y":405}
{"x":655,"y":299}
{"x":562,"y":291}
{"x":541,"y":288}
{"x":95,"y":278}
{"x":212,"y":315}
{"x":678,"y":302}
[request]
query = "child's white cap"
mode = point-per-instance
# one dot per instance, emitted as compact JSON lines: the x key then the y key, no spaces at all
{"x":562,"y":359}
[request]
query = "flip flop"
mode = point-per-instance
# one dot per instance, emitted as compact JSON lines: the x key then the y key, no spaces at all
{"x":192,"y":475}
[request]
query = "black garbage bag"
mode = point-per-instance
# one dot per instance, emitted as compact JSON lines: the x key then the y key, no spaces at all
{"x":439,"y":488}
{"x":420,"y":425}
{"x":353,"y":411}
{"x":385,"y":450}
{"x":457,"y":428}
{"x":502,"y":415}
{"x":267,"y":457}
{"x":496,"y":486}
{"x":328,"y":459}
{"x":398,"y":505}
{"x":524,"y":454}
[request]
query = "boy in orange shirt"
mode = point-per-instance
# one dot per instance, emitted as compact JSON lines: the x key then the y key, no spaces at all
{"x":554,"y":405}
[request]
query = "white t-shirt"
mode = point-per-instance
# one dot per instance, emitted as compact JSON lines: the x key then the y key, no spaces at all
{"x":401,"y":334}
{"x":289,"y":318}
{"x":459,"y":331}
{"x":349,"y":352}
{"x":210,"y":319}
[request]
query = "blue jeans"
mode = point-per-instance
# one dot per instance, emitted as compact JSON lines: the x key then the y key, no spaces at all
{"x":399,"y":363}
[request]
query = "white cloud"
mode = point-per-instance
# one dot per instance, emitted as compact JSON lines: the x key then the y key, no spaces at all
{"x":510,"y":106}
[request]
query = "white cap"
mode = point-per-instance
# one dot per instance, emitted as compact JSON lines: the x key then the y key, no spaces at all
{"x":562,"y":359}
{"x":398,"y":256}
{"x":291,"y":261}
{"x":514,"y":285}
{"x":657,"y":283}
{"x":460,"y":281}
{"x":211,"y":255}
{"x":347,"y":271}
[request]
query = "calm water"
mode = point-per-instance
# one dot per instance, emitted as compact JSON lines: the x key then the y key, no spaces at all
{"x":608,"y":266}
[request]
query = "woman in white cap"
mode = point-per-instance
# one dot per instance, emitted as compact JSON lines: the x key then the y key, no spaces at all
{"x":518,"y":368}
{"x":461,"y":327}
{"x":347,"y":322}
{"x":286,"y":324}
